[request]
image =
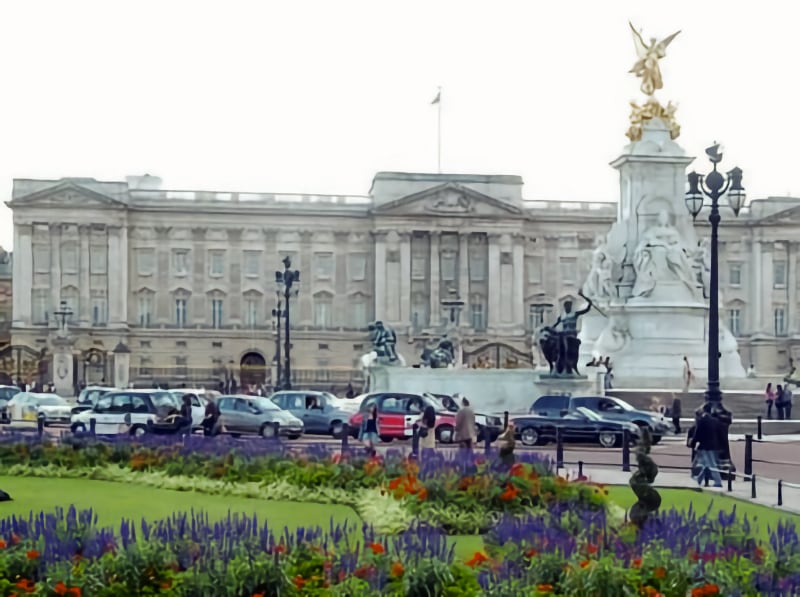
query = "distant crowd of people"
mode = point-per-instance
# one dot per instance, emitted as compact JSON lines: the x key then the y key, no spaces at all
{"x":779,"y":398}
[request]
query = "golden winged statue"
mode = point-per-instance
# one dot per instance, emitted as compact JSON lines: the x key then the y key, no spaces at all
{"x":649,"y":54}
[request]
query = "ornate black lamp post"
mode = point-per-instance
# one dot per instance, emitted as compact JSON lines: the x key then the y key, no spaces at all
{"x":277,"y":314}
{"x":714,"y":186}
{"x":286,"y":280}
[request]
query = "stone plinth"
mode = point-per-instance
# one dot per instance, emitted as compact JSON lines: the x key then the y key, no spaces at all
{"x":63,"y":365}
{"x":489,"y":390}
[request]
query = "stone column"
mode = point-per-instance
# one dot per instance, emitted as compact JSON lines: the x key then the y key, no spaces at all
{"x":405,"y":278}
{"x":84,"y":277}
{"x":305,"y":298}
{"x":115,"y":285}
{"x":55,"y":267}
{"x":463,"y":273}
{"x":519,"y":282}
{"x":766,"y":282}
{"x":791,"y":286}
{"x":22,"y":265}
{"x":435,"y":282}
{"x":494,"y":281}
{"x":124,"y":278}
{"x":380,"y":275}
{"x":756,"y":283}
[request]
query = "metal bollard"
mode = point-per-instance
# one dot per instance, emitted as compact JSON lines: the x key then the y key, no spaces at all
{"x":415,"y":438}
{"x":93,"y":427}
{"x":580,"y":469}
{"x":748,"y":454}
{"x":780,"y":492}
{"x":730,"y":480}
{"x":559,"y":449}
{"x":40,"y":424}
{"x":345,"y":437}
{"x":626,"y":451}
{"x":753,"y":486}
{"x":758,"y":421}
{"x":505,"y":419}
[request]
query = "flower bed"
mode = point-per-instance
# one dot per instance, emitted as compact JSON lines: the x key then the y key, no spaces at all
{"x":559,"y":552}
{"x":459,"y":494}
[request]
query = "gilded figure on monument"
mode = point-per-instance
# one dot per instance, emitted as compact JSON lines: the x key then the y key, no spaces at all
{"x":647,"y":67}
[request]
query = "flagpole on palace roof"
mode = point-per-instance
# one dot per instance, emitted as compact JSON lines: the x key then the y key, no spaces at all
{"x":438,"y":101}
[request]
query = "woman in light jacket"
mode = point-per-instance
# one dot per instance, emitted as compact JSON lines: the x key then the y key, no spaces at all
{"x":769,"y":398}
{"x":427,"y":429}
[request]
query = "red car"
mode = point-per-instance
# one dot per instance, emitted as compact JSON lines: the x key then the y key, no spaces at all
{"x":397,"y":414}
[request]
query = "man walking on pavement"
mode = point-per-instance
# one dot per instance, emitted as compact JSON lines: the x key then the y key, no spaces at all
{"x":705,"y":442}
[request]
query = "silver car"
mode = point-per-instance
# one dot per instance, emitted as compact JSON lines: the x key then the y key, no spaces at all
{"x":255,"y":414}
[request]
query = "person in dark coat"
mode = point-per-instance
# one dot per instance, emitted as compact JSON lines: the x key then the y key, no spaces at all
{"x":676,"y":415}
{"x":705,"y":442}
{"x":210,"y":419}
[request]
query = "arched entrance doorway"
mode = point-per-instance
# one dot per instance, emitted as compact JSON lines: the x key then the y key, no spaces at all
{"x":252,"y":370}
{"x":94,"y":367}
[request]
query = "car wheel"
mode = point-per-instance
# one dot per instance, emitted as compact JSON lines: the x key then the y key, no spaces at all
{"x":608,"y":439}
{"x":337,"y":429}
{"x":445,"y":434}
{"x":386,"y":439}
{"x":78,"y":428}
{"x":267,"y":431}
{"x":138,"y":430}
{"x":529,"y":437}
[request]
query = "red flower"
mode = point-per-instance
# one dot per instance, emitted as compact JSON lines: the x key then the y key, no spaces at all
{"x":705,"y":591}
{"x":26,"y":585}
{"x":377,"y":549}
{"x":517,"y":470}
{"x":531,"y":553}
{"x":363,"y":572}
{"x":423,"y":494}
{"x":477,"y":559}
{"x":544,"y":588}
{"x":32,"y":554}
{"x":397,"y":570}
{"x":279,"y":548}
{"x":510,"y":493}
{"x":299,"y":582}
{"x":60,"y":588}
{"x":592,"y":549}
{"x":660,"y":572}
{"x":2,"y":544}
{"x":637,"y":563}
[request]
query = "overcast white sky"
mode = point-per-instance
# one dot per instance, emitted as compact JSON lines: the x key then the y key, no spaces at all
{"x":316,"y":96}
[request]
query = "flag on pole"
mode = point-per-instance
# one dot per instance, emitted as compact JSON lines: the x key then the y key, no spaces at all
{"x":438,"y":97}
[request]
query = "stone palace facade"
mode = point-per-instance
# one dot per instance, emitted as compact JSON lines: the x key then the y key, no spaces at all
{"x":186,"y":279}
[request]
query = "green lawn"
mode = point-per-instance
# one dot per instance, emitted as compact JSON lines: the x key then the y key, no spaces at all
{"x":114,"y":501}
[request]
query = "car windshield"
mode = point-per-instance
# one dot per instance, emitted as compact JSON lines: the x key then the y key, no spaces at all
{"x":51,"y":400}
{"x":622,"y":404}
{"x":265,"y":404}
{"x":164,"y":399}
{"x":588,"y":414}
{"x":434,"y":402}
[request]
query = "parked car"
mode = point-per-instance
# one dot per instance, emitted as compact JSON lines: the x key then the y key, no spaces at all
{"x":88,"y":397}
{"x":54,"y":409}
{"x":24,"y":406}
{"x":199,"y":398}
{"x":6,"y":394}
{"x":492,"y":423}
{"x":577,"y":426}
{"x":121,"y":409}
{"x":322,"y":413}
{"x":255,"y":414}
{"x":397,"y":414}
{"x":608,"y":407}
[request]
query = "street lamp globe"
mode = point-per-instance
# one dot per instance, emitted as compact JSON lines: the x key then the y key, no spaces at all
{"x":694,"y":196}
{"x":736,"y":193}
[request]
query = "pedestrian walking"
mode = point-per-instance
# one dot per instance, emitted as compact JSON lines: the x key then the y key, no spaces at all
{"x":779,"y":404}
{"x":369,"y":432}
{"x":769,"y":399}
{"x":676,"y":415}
{"x":466,"y":428}
{"x":211,"y":419}
{"x":787,"y":402}
{"x":704,"y":441}
{"x":687,"y":375}
{"x":427,"y":429}
{"x":506,"y":441}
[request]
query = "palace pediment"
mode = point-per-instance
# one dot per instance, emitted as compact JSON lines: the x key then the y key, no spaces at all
{"x":449,"y":200}
{"x":72,"y":194}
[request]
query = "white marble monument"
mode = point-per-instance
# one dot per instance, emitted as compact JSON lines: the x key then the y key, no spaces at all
{"x":649,"y":276}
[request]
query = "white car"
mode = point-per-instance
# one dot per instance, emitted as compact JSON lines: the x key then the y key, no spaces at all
{"x":25,"y":405}
{"x":54,"y":408}
{"x":125,"y":411}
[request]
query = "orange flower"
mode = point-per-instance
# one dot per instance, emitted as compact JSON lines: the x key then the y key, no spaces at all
{"x":395,"y":483}
{"x":299,"y":582}
{"x":377,"y":548}
{"x":592,"y":549}
{"x":477,"y":559}
{"x":649,"y":591}
{"x":32,"y":554}
{"x":60,"y":588}
{"x":544,"y":588}
{"x":74,"y":592}
{"x":465,"y":483}
{"x":397,"y":570}
{"x":26,"y":585}
{"x":517,"y":470}
{"x":660,"y":572}
{"x":2,"y":544}
{"x":585,"y":563}
{"x":637,"y":563}
{"x":510,"y":493}
{"x":258,"y":595}
{"x":705,"y":591}
{"x":423,"y":494}
{"x":531,"y":553}
{"x":166,"y":584}
{"x":279,"y":548}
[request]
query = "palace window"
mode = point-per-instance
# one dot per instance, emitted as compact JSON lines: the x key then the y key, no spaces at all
{"x":358,"y":312}
{"x":735,"y":274}
{"x":41,"y":259}
{"x":69,"y":259}
{"x":779,"y":319}
{"x":779,"y":274}
{"x":99,"y":311}
{"x":420,"y":304}
{"x":251,"y":263}
{"x":323,"y":266}
{"x":145,"y":309}
{"x":357,"y":266}
{"x":477,"y":265}
{"x":447,"y":270}
{"x":70,"y":297}
{"x":419,"y":267}
{"x":180,"y":312}
{"x":477,"y":317}
{"x":216,"y":313}
{"x":569,"y":270}
{"x":535,"y":317}
{"x":180,"y":262}
{"x":39,"y":311}
{"x":735,"y":321}
{"x":534,"y":270}
{"x":251,"y":311}
{"x":323,"y":304}
{"x":98,"y":259}
{"x":216,"y":263}
{"x":145,"y":262}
